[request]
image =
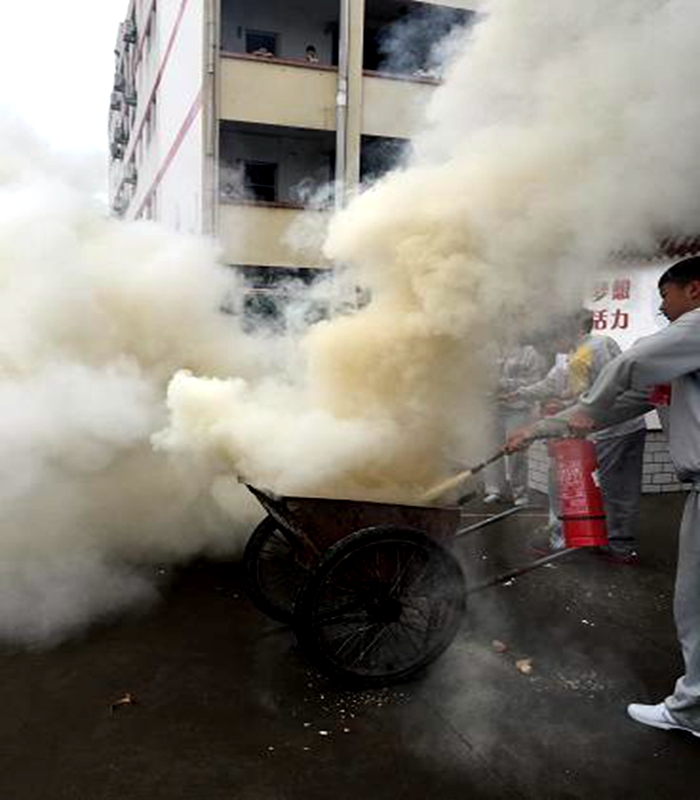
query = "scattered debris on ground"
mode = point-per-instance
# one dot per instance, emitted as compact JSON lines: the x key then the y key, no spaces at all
{"x":524,"y":665}
{"x":127,"y":699}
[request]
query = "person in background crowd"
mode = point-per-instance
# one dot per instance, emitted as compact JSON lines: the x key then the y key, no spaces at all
{"x":549,"y":392}
{"x":311,"y":55}
{"x":519,"y":366}
{"x":619,"y":448}
{"x":621,"y":392}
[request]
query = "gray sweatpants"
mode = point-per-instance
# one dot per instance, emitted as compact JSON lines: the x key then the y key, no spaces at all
{"x":495,"y":478}
{"x":684,"y":703}
{"x":620,"y":462}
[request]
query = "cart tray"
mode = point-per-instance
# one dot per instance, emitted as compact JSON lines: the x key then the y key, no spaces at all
{"x":324,"y":521}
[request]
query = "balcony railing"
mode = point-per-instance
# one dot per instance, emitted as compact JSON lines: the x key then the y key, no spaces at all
{"x":277,"y":92}
{"x":297,"y":95}
{"x":262,"y":234}
{"x":394,"y":106}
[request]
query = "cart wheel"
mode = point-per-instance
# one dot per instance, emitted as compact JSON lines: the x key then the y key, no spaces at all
{"x":383,"y":603}
{"x":274,"y":570}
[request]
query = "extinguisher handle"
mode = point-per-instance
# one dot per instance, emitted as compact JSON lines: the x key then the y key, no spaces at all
{"x":568,"y":434}
{"x":550,"y":428}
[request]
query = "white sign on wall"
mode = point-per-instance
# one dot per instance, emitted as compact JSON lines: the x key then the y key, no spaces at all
{"x":625,"y":303}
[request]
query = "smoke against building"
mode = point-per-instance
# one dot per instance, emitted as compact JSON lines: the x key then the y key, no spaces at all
{"x":521,"y":183}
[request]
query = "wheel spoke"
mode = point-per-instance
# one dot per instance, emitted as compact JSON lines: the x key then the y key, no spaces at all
{"x":371,"y":646}
{"x":349,"y":613}
{"x":275,"y":570}
{"x":353,"y":637}
{"x":415,"y":617}
{"x":421,"y":581}
{"x":407,"y":637}
{"x":382,"y":606}
{"x":399,"y":578}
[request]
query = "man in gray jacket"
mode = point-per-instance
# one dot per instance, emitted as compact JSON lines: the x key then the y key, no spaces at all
{"x":621,"y":392}
{"x":619,"y":448}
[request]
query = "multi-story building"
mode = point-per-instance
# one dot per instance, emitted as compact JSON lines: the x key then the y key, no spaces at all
{"x":232,"y":117}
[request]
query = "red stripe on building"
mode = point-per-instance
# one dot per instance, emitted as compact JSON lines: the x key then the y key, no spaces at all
{"x":159,"y":77}
{"x":177,"y":143}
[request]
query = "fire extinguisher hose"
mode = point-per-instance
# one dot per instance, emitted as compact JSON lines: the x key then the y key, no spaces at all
{"x":456,"y":480}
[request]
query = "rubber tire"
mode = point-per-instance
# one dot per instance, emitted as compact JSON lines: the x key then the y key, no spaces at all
{"x":308,"y":624}
{"x":261,"y":573}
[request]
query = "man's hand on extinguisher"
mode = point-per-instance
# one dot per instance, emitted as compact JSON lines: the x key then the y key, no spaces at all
{"x":546,"y":428}
{"x":580,"y":423}
{"x":520,"y":438}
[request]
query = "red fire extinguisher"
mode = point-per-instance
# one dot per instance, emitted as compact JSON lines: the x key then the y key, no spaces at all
{"x":660,"y":395}
{"x":581,"y":509}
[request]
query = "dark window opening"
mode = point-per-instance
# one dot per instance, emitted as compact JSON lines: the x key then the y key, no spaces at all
{"x":333,"y":30}
{"x":274,"y":299}
{"x":380,"y":155}
{"x":402,"y":40}
{"x":263,"y":43}
{"x":260,"y":180}
{"x":262,"y":311}
{"x":273,"y":277}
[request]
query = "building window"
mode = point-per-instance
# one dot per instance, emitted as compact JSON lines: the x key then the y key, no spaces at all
{"x":261,"y":43}
{"x":150,"y":123}
{"x":260,"y":180}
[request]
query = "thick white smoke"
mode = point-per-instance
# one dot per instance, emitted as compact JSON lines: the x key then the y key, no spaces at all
{"x":97,"y":316}
{"x":561,"y":134}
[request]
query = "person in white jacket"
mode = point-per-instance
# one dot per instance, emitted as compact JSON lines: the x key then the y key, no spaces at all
{"x":621,"y":392}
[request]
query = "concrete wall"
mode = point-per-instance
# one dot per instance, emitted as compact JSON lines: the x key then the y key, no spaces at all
{"x":258,"y":235}
{"x":258,"y":91}
{"x":298,"y":23}
{"x":659,"y":475}
{"x":393,"y":108}
{"x":181,"y":188}
{"x":167,"y":138}
{"x":172,"y":168}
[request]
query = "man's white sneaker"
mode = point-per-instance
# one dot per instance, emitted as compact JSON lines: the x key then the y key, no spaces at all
{"x":492,"y":498}
{"x":521,"y":501}
{"x":657,"y":716}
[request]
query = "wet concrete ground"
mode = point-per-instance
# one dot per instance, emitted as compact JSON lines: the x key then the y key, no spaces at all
{"x":225,"y":707}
